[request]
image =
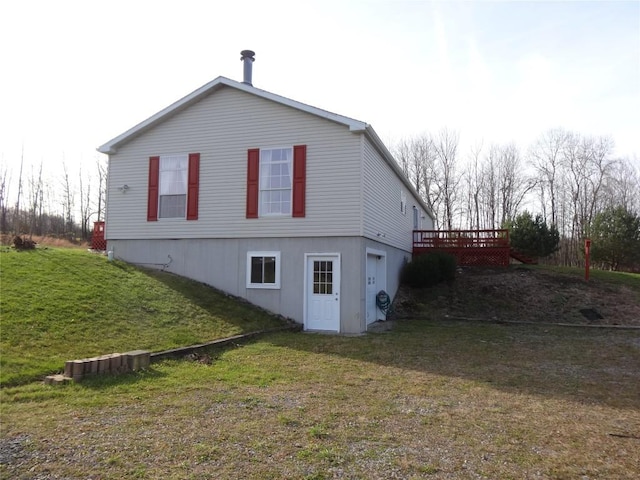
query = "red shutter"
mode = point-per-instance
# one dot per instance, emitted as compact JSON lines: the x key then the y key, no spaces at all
{"x":253,"y":179}
{"x":299,"y":180}
{"x":154,"y":178}
{"x":193,"y":185}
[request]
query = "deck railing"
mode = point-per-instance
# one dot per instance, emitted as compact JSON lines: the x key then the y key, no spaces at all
{"x":460,"y":238}
{"x":470,"y":247}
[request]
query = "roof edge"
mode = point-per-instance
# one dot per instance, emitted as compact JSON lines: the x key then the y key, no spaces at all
{"x":111,"y":146}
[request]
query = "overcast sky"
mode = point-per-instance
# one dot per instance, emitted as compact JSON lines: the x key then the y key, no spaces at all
{"x":77,"y":73}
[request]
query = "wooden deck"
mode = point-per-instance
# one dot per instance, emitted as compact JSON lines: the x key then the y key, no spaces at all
{"x":470,"y":247}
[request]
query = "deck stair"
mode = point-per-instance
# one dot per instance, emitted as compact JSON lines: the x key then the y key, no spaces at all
{"x":521,"y":257}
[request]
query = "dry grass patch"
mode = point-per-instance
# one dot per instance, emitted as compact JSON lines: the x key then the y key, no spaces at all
{"x":424,"y":401}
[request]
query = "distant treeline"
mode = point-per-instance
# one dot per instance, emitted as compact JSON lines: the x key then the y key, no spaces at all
{"x":65,"y":206}
{"x":567,"y":178}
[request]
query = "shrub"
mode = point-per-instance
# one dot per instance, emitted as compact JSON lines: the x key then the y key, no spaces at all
{"x":616,"y":238}
{"x":532,"y":236}
{"x":22,"y":243}
{"x":448,"y":266}
{"x":428,"y":270}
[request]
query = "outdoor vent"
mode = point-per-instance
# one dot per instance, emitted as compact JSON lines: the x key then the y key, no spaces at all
{"x":247,"y":58}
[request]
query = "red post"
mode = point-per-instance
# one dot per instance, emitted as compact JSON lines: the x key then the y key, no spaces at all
{"x":587,"y":253}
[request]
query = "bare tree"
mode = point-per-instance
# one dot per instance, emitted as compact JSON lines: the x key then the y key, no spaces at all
{"x":17,"y":227}
{"x":587,"y":162}
{"x":447,"y":176}
{"x":601,"y":149}
{"x":417,"y":159}
{"x":102,"y":187}
{"x":68,"y":198}
{"x":85,"y":203}
{"x":489,"y":188}
{"x":473,"y":181}
{"x":514,"y":184}
{"x":52,"y":222}
{"x":425,"y":160}
{"x":622,"y":186}
{"x":546,"y":155}
{"x":4,"y":194}
{"x":35,"y":201}
{"x":402,"y":154}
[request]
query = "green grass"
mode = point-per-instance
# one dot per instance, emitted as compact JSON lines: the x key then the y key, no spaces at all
{"x":631,"y":280}
{"x":64,"y":304}
{"x":427,"y":400}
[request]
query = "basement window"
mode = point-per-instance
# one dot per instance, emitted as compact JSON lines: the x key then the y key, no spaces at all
{"x":263,"y":270}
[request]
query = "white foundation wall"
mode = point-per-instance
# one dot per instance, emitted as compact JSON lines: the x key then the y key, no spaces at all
{"x":222,"y":263}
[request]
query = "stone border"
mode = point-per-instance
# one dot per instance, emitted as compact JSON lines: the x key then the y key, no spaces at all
{"x":112,"y":363}
{"x":220,"y":343}
{"x":117,"y":363}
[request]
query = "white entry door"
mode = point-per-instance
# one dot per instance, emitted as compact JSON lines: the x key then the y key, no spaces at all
{"x":372,"y":289}
{"x":322,"y":290}
{"x":376,"y":280}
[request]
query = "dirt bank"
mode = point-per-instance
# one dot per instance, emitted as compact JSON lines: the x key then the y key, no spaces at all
{"x":523,"y":294}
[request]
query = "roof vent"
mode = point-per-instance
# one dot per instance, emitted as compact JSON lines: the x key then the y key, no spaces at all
{"x":247,"y":58}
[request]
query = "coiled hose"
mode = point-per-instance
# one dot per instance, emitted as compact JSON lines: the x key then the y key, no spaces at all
{"x":383,"y":301}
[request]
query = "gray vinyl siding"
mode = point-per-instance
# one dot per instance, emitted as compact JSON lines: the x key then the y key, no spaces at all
{"x":383,"y":220}
{"x":222,"y":127}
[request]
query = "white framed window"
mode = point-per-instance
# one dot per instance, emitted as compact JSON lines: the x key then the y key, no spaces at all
{"x":275,"y":181}
{"x":263,"y":269}
{"x":173,"y":186}
{"x":415,"y":218}
{"x":403,"y":203}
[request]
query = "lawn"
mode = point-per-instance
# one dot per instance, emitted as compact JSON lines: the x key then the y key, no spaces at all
{"x":428,"y":399}
{"x":61,"y":304}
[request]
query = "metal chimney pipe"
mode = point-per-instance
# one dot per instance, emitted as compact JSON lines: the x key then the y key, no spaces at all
{"x":247,"y":58}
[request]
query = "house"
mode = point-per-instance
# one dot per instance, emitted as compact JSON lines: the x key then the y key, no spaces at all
{"x":298,"y":210}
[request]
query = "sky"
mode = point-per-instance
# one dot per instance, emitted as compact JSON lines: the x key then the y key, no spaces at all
{"x":75,"y":74}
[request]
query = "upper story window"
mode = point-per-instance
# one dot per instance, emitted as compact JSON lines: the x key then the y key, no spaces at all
{"x":173,"y":186}
{"x":415,"y":218}
{"x":403,"y":203}
{"x":275,"y":181}
{"x":174,"y":183}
